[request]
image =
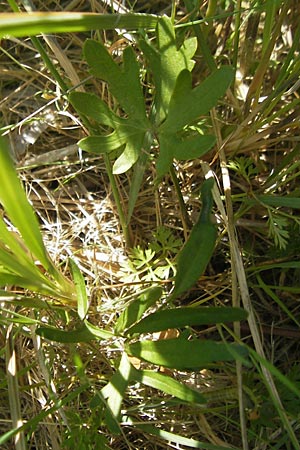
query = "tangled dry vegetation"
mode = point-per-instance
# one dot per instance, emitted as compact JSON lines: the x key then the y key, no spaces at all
{"x":257,"y":127}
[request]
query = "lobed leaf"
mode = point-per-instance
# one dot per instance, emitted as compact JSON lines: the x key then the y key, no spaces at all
{"x":187,"y":104}
{"x":166,"y":61}
{"x":124,"y":82}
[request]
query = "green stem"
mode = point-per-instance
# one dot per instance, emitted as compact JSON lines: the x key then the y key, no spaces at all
{"x":116,"y":195}
{"x":184,"y":214}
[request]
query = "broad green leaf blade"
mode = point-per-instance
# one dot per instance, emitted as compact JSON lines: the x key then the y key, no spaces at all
{"x":136,"y":309}
{"x":195,"y":147}
{"x":199,"y":248}
{"x":92,"y":106}
{"x":182,"y":317}
{"x":102,"y":144}
{"x":82,"y":299}
{"x":82,"y":334}
{"x":187,"y":104}
{"x":124,"y":82}
{"x":169,"y":385}
{"x":185,"y":355}
{"x":23,"y":24}
{"x":166,"y":61}
{"x":15,"y":203}
{"x":114,"y":391}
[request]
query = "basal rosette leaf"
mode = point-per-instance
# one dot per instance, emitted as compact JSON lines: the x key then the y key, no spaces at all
{"x":187,"y":104}
{"x":124,"y":81}
{"x":172,"y":146}
{"x":166,"y":60}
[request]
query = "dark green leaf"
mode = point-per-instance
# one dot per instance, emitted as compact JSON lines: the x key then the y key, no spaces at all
{"x":187,"y":104}
{"x":181,"y":317}
{"x":198,"y":249}
{"x":183,"y":354}
{"x":82,"y":334}
{"x":182,"y":149}
{"x":92,"y":106}
{"x":124,"y":82}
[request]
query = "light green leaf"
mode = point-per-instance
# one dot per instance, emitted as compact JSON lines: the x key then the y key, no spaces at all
{"x":82,"y":299}
{"x":185,"y":355}
{"x":97,"y":332}
{"x":169,"y":386}
{"x":187,"y":104}
{"x":136,"y":308}
{"x":166,"y":61}
{"x":15,"y":203}
{"x":24,"y":24}
{"x":114,"y":391}
{"x":102,"y":144}
{"x":182,"y":317}
{"x":131,"y":153}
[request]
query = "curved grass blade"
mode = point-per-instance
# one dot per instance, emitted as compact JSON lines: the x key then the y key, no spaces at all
{"x":82,"y":299}
{"x":23,"y":24}
{"x":169,"y":386}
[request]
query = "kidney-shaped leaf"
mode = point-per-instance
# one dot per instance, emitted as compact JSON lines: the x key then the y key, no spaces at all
{"x":182,"y":354}
{"x":181,"y":317}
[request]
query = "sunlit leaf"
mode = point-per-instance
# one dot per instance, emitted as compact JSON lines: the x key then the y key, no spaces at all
{"x":169,"y":385}
{"x":23,"y":24}
{"x":187,"y":316}
{"x":82,"y":299}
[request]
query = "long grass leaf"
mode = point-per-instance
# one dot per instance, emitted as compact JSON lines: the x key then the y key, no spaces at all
{"x":23,"y":24}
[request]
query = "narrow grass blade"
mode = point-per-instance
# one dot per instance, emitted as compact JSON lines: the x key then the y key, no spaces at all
{"x":82,"y":299}
{"x":176,"y":438}
{"x":169,"y":385}
{"x":23,"y":24}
